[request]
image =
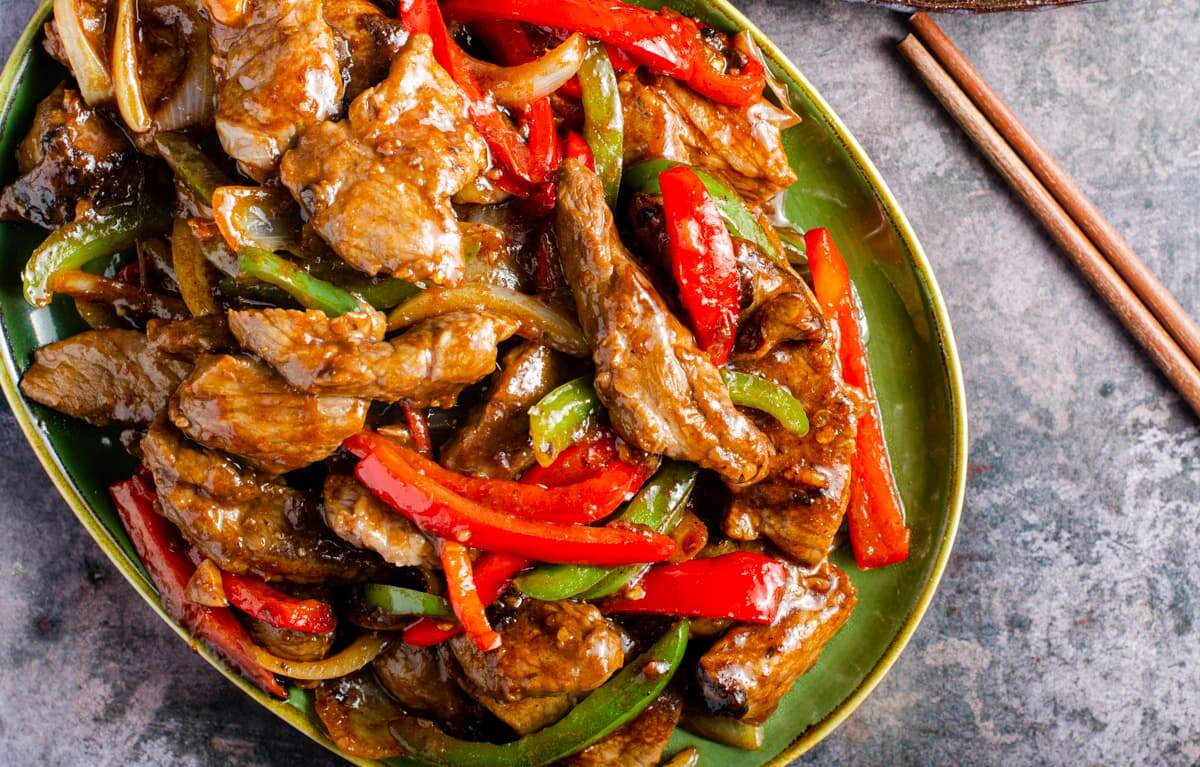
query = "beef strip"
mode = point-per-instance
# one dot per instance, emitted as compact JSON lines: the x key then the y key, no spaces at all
{"x":525,"y":715}
{"x":241,"y":406}
{"x":192,"y":337}
{"x":277,"y":74}
{"x":639,"y":743}
{"x":549,"y":648}
{"x":72,"y":157}
{"x":495,"y":440}
{"x":742,"y":145}
{"x":289,"y":643}
{"x":427,"y":365}
{"x":662,"y":393}
{"x":358,"y":518}
{"x":747,"y":671}
{"x":420,"y":680}
{"x":405,"y":149}
{"x":104,"y":377}
{"x":243,"y":520}
{"x":365,"y":54}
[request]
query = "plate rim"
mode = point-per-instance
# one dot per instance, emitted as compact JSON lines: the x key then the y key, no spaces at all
{"x":15,"y":67}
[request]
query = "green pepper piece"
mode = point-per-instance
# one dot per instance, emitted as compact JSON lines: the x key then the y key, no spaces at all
{"x":603,"y":121}
{"x":643,"y":177}
{"x":724,"y":730}
{"x":193,"y":167}
{"x":559,"y":418}
{"x":771,"y":398}
{"x":658,"y":505}
{"x":618,"y":701}
{"x":395,"y":600}
{"x":85,"y":239}
{"x":311,"y":292}
{"x":379,"y":292}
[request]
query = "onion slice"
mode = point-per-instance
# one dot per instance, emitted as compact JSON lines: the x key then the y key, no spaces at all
{"x":255,"y":216}
{"x":518,"y":86}
{"x":192,"y":100}
{"x":127,"y":82}
{"x":89,"y":69}
{"x":356,"y":655}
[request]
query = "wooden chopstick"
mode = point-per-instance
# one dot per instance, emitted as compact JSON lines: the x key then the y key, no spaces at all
{"x":1137,"y":318}
{"x":1106,"y":239}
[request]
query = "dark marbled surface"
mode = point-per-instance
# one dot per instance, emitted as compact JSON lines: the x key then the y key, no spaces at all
{"x":1065,"y":630}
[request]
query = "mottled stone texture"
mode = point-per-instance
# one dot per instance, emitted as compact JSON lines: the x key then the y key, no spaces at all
{"x":1065,"y":630}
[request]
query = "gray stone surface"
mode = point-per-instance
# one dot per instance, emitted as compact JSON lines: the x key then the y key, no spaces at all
{"x":1065,"y":630}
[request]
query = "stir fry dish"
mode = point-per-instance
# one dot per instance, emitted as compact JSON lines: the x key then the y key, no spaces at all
{"x":484,"y":403}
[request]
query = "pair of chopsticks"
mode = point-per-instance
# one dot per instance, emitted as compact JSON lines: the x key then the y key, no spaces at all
{"x":1132,"y":291}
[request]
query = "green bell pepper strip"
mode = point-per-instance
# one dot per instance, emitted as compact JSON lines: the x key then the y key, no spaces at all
{"x":85,"y":239}
{"x":311,"y":292}
{"x":643,"y":177}
{"x":603,"y":121}
{"x":658,"y":505}
{"x":559,"y":418}
{"x":771,"y":398}
{"x":200,"y":174}
{"x":724,"y":730}
{"x":395,"y":600}
{"x":618,"y":701}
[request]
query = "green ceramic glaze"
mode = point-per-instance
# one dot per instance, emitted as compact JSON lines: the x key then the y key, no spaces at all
{"x":912,"y":355}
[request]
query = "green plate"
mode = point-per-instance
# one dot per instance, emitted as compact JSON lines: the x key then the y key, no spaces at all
{"x":912,"y":354}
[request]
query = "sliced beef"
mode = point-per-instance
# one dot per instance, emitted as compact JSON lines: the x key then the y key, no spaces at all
{"x":747,"y":671}
{"x":419,"y":678}
{"x":549,"y":648}
{"x":525,"y":715}
{"x":277,"y":74}
{"x":495,"y":442}
{"x":104,"y":377}
{"x":243,"y":520}
{"x":73,"y":157}
{"x":377,"y":185}
{"x":289,"y":643}
{"x":239,"y":405}
{"x":742,"y":145}
{"x":358,"y":518}
{"x":662,"y":393}
{"x":192,"y":337}
{"x":639,"y":743}
{"x":346,"y":356}
{"x":366,"y":54}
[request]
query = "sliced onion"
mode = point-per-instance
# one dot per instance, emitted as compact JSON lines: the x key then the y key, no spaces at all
{"x":127,"y":81}
{"x":744,"y":43}
{"x":356,"y":655}
{"x":192,"y":100}
{"x":192,"y":271}
{"x":89,"y":69}
{"x":520,"y":85}
{"x":254,"y":216}
{"x":536,"y":321}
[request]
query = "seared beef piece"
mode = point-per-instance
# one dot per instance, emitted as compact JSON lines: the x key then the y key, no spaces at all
{"x":277,"y":74}
{"x":419,"y":679}
{"x":549,"y":648}
{"x":72,"y":155}
{"x":242,"y":520}
{"x":523,"y":716}
{"x":428,"y":365}
{"x":365,"y":57}
{"x":358,"y":518}
{"x":495,"y":440}
{"x":662,"y":393}
{"x":748,"y":671}
{"x":192,"y":337}
{"x":377,"y":185}
{"x":103,"y":377}
{"x":239,"y":405}
{"x":289,"y":644}
{"x":742,"y":145}
{"x":639,"y":743}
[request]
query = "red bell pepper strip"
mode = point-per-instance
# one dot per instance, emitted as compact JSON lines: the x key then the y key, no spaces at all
{"x":876,"y":513}
{"x":464,"y":598}
{"x":702,"y":259}
{"x":738,"y":89}
{"x":575,"y":464}
{"x":418,"y":429}
{"x":577,"y":148}
{"x":256,"y":597}
{"x":742,"y":586}
{"x":442,"y":513}
{"x":493,"y":574}
{"x":587,"y":500}
{"x":161,"y":550}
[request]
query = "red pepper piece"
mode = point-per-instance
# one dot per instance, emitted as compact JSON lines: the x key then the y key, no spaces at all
{"x":876,"y":513}
{"x":440,"y":512}
{"x":418,"y":429}
{"x":256,"y":597}
{"x":733,"y":88}
{"x":590,"y":499}
{"x":493,"y":575}
{"x":742,"y":586}
{"x":161,"y":550}
{"x":464,"y":599}
{"x":577,"y":148}
{"x":702,"y":259}
{"x":576,"y":463}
